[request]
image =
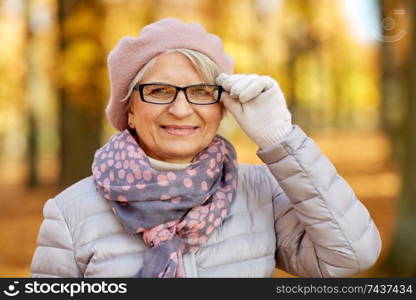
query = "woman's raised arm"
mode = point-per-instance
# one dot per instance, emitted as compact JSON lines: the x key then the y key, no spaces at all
{"x":322,"y":229}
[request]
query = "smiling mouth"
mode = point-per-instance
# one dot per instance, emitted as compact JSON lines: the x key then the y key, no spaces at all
{"x":179,"y":130}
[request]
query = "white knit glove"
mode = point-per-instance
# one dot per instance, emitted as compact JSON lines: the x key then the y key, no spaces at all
{"x":258,"y":105}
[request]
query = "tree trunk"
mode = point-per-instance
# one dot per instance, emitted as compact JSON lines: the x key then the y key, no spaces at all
{"x":32,"y":128}
{"x":82,"y":89}
{"x":393,"y":89}
{"x":401,"y":260}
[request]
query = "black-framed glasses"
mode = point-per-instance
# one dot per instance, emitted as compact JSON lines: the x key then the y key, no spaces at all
{"x":163,"y":93}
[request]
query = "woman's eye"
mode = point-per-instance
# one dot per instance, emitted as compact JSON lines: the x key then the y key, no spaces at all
{"x":159,"y":91}
{"x":201,"y":92}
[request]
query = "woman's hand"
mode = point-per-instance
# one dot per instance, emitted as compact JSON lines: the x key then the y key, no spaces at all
{"x":258,"y":105}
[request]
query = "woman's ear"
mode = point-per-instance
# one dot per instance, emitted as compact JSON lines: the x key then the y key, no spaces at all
{"x":130,"y":117}
{"x":223,"y":111}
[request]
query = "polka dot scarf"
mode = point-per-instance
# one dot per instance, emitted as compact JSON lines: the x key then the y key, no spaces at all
{"x":175,"y":211}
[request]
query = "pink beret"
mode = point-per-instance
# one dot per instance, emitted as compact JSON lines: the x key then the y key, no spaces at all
{"x":132,"y":53}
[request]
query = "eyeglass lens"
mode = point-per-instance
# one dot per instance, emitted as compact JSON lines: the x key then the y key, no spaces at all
{"x":198,"y":94}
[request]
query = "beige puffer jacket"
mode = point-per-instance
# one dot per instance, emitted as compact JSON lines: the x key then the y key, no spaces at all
{"x":295,"y":213}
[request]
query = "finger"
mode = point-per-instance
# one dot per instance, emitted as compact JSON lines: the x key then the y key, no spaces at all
{"x":231,"y":104}
{"x":269,"y":82}
{"x":277,"y":91}
{"x":229,"y":82}
{"x":241,"y":84}
{"x":264,"y":84}
{"x":223,"y":94}
{"x":221,"y":78}
{"x":255,"y":88}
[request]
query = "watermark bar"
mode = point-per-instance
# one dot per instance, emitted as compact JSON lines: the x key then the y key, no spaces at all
{"x":270,"y":288}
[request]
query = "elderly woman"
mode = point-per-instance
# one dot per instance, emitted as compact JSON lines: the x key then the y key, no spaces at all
{"x":167,"y":197}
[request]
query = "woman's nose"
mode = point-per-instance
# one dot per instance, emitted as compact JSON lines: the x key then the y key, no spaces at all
{"x":181,"y":107}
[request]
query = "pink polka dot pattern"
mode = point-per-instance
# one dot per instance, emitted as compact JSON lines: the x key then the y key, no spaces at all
{"x":194,"y":214}
{"x":210,"y":173}
{"x":210,"y":228}
{"x":223,"y":213}
{"x":192,"y":224}
{"x":188,"y":182}
{"x":204,"y":156}
{"x":201,"y":224}
{"x":228,"y":188}
{"x":106,"y":183}
{"x":204,"y":185}
{"x":178,"y":210}
{"x":121,"y":173}
{"x":137,"y":173}
{"x":191,"y":172}
{"x":147,"y":175}
{"x":176,"y":200}
{"x":122,"y":198}
{"x":164,"y":197}
{"x":212,"y":149}
{"x":171,"y":176}
{"x":130,"y":178}
{"x":162,"y":180}
{"x":217,"y":222}
{"x":132,"y":165}
{"x":219,"y":157}
{"x":140,"y":186}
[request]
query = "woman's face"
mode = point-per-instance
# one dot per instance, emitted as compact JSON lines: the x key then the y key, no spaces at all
{"x":155,"y":123}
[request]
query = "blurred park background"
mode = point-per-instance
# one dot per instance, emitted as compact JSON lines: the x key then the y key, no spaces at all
{"x":347,"y":68}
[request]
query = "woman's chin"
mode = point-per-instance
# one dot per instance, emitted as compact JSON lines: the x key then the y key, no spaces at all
{"x":180,"y":151}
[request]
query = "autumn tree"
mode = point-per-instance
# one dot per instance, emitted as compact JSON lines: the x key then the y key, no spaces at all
{"x":32,"y":134}
{"x":401,"y":259}
{"x":81,"y":85}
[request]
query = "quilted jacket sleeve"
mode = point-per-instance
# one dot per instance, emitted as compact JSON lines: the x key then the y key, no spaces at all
{"x":322,"y":229}
{"x":54,"y":255}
